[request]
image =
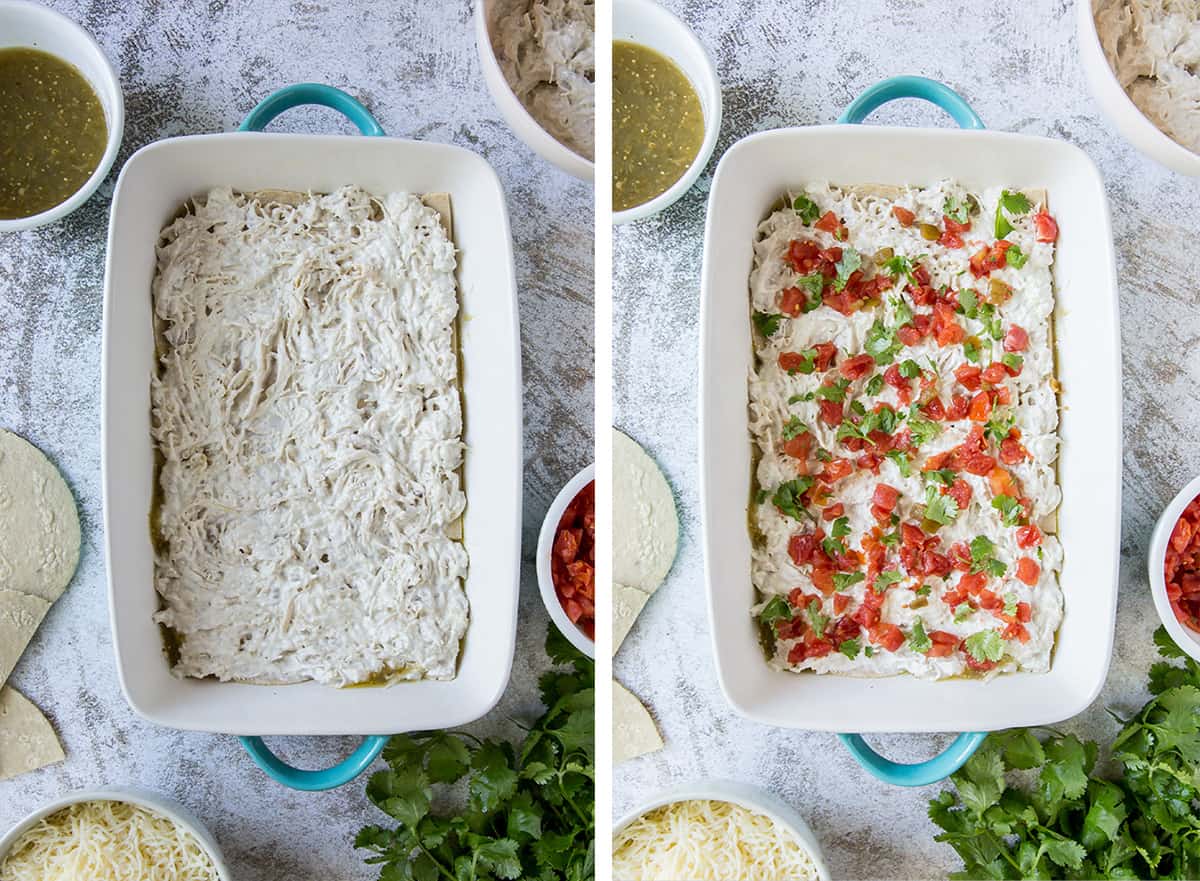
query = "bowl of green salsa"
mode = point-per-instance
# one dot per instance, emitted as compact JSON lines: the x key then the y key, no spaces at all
{"x":62,"y":120}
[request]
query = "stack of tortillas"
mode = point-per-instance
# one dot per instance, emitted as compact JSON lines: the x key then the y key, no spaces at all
{"x":645,"y":539}
{"x":39,"y":550}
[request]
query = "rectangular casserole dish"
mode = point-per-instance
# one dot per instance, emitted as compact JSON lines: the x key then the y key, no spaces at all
{"x":751,"y":176}
{"x":151,"y":188}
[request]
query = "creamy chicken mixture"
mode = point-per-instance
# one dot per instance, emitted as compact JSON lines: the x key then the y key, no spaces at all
{"x":546,"y":49}
{"x":1153,"y":47}
{"x":308,"y":420}
{"x":904,"y":411}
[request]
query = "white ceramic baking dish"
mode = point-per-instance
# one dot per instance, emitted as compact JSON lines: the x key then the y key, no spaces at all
{"x":751,"y":176}
{"x":152,"y":186}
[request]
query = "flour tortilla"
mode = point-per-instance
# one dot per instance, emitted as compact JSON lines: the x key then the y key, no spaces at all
{"x":634,"y":732}
{"x":27,"y":741}
{"x":645,"y":522}
{"x":39,"y":523}
{"x":627,"y":605}
{"x":20,"y":616}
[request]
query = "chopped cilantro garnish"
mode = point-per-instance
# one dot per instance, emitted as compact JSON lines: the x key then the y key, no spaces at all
{"x":939,"y":508}
{"x":956,"y":209}
{"x":816,"y":618}
{"x":848,"y":430}
{"x":944,"y":476}
{"x":776,"y":609}
{"x":833,"y":547}
{"x":767,"y":323}
{"x":983,"y":557}
{"x":899,"y":265}
{"x":968,"y":303}
{"x":971,"y":350}
{"x":869,"y":651}
{"x":874,"y":385}
{"x":963,"y":612}
{"x":841,"y":527}
{"x":796,"y":399}
{"x":787,"y":497}
{"x":909,"y":369}
{"x":793,"y":428}
{"x":1010,"y":603}
{"x":1009,"y":508}
{"x":986,"y":645}
{"x":1015,"y":257}
{"x":814,"y":284}
{"x":884,"y":580}
{"x":806,"y":208}
{"x":1013,"y":203}
{"x":824,"y":455}
{"x":998,"y":427}
{"x":923,"y":591}
{"x":902,"y":313}
{"x":761,"y":496}
{"x":846,"y":580}
{"x":835,"y":392}
{"x":850,"y":262}
{"x":923,"y":430}
{"x":858,"y":408}
{"x":891,"y":539}
{"x":884,"y":419}
{"x":901,"y":460}
{"x":918,"y":640}
{"x":881,"y":343}
{"x":850,"y":648}
{"x":1012,"y":361}
{"x":991,"y":321}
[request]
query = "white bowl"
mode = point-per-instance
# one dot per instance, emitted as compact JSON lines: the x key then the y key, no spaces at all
{"x":545,"y":547}
{"x":518,"y":118}
{"x":646,"y":23}
{"x":151,"y":801}
{"x":28,"y":24}
{"x":1187,"y":639}
{"x":752,"y":798}
{"x":1133,"y":125}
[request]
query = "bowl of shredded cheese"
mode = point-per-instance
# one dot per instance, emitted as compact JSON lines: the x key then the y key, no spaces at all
{"x":111,"y":835}
{"x":714,"y":831}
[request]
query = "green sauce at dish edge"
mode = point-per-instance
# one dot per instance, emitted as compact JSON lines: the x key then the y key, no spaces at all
{"x":52,"y":132}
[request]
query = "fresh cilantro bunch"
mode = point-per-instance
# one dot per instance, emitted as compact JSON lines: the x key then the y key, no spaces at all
{"x":530,"y":810}
{"x":1056,"y":817}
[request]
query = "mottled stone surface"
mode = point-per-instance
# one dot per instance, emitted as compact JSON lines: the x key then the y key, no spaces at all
{"x":799,"y":63}
{"x":199,"y":67}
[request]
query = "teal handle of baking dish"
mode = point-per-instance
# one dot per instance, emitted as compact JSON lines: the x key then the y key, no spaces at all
{"x":257,"y":120}
{"x":921,"y":87}
{"x":314,"y":781}
{"x":938,"y":768}
{"x":311,"y":93}
{"x":955,"y":756}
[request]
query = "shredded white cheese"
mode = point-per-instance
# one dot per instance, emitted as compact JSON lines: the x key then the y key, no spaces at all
{"x":709,"y":841}
{"x":308,"y":418}
{"x":107,"y":841}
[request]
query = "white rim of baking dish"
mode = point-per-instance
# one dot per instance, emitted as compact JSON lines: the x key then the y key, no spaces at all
{"x":1184,"y":637}
{"x":700,"y":71}
{"x":520,"y":120}
{"x":746,"y":795}
{"x":143,"y":798}
{"x":108,"y":91}
{"x":545,"y":547}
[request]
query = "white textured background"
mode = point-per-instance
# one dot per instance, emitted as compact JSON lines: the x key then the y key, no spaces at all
{"x":199,"y":67}
{"x":799,"y":62}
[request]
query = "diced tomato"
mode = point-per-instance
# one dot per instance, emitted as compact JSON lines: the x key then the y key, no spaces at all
{"x":828,"y":223}
{"x":960,"y":405}
{"x":1003,"y":396}
{"x":826,"y":353}
{"x":977,"y":666}
{"x":833,"y":512}
{"x":796,"y":653}
{"x":799,"y":447}
{"x":889,"y":636}
{"x":969,"y":376}
{"x":909,"y":335}
{"x":972,"y":582}
{"x":934,"y":410}
{"x":822,"y":580}
{"x":936,"y":564}
{"x":1016,"y":631}
{"x":802,"y":256}
{"x":960,"y":555}
{"x":911,"y":535}
{"x":857,"y":367}
{"x":1024,"y":612}
{"x":950,"y":240}
{"x":801,"y":548}
{"x":830,"y":257}
{"x":790,"y":361}
{"x":882,"y":515}
{"x":1016,"y":339}
{"x":981,"y":407}
{"x":1028,"y":536}
{"x":995,"y":373}
{"x":792,"y":301}
{"x":960,"y":491}
{"x":1002,"y":483}
{"x":939,"y":650}
{"x":944,"y":644}
{"x":1047,"y":227}
{"x":1028,"y":571}
{"x":1011,"y":451}
{"x":989,"y":600}
{"x":831,"y":412}
{"x":903,"y":215}
{"x":938,"y":461}
{"x":893,"y":378}
{"x":953,"y":226}
{"x":836,"y":469}
{"x":886,"y":496}
{"x":797,"y":598}
{"x":840,"y":603}
{"x":949,"y":331}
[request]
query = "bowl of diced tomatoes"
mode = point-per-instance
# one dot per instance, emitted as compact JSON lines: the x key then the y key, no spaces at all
{"x":566,"y":561}
{"x":1175,"y":568}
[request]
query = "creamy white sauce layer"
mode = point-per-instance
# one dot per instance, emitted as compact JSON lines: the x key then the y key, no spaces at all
{"x":308,"y":418}
{"x":872,"y":226}
{"x":1153,"y":46}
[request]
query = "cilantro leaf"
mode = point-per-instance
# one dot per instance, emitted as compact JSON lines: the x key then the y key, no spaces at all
{"x":1015,"y":257}
{"x":787,"y":497}
{"x":901,"y":460}
{"x":874,"y":385}
{"x":1013,"y":203}
{"x":793,"y":427}
{"x":955,"y":209}
{"x":909,"y":369}
{"x":846,"y":580}
{"x":850,"y":262}
{"x":835,"y":392}
{"x":943,"y":476}
{"x":922,"y":430}
{"x":840,"y":528}
{"x":806,"y":208}
{"x":940,"y":508}
{"x":918,"y":640}
{"x":766,"y":323}
{"x":776,"y":609}
{"x":816,"y":618}
{"x":985,"y":645}
{"x":884,"y":580}
{"x":1009,"y":508}
{"x":850,"y":647}
{"x":881,"y":343}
